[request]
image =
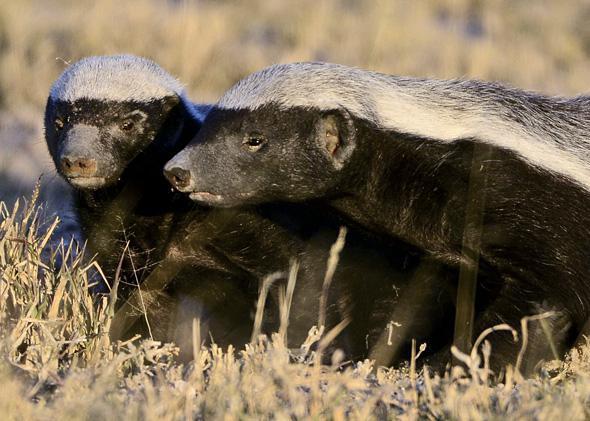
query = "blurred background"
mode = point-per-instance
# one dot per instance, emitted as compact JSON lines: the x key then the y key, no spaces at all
{"x":210,"y":44}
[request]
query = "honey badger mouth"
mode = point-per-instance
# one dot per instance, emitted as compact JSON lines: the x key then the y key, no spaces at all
{"x":91,"y":183}
{"x":96,"y":181}
{"x":202,"y":196}
{"x":218,"y":200}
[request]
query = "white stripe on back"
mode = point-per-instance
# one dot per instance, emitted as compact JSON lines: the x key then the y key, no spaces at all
{"x":548,"y":132}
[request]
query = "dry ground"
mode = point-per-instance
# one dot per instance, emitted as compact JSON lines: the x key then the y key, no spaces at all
{"x":56,"y":359}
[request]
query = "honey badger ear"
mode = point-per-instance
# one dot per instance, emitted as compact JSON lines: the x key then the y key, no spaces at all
{"x":169,"y":102}
{"x":336,"y":136}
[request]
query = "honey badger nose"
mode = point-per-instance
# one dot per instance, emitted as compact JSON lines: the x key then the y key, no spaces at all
{"x":178,"y":177}
{"x":78,"y":167}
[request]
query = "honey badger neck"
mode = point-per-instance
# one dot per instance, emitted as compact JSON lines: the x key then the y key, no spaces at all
{"x":399,"y":184}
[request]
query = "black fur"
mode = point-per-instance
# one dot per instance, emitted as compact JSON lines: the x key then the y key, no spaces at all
{"x":533,"y":255}
{"x":218,"y":257}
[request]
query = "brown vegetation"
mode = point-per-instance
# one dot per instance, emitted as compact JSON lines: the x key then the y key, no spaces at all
{"x":57,"y":360}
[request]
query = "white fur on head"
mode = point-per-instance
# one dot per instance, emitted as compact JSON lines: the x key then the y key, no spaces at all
{"x":550,"y":133}
{"x":116,"y":78}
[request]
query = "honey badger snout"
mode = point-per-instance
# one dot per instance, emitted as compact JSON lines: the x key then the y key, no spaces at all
{"x":178,"y":177}
{"x":77,"y":154}
{"x":74,"y":166}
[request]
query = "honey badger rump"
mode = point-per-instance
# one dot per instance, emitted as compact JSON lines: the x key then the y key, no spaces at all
{"x":395,"y":155}
{"x":112,"y":123}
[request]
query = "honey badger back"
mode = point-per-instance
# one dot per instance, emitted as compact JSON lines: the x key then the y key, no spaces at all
{"x":111,"y":123}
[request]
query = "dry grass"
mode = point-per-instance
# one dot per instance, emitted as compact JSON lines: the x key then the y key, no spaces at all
{"x":57,"y":360}
{"x":58,"y":363}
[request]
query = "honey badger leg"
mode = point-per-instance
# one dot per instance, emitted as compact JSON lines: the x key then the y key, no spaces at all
{"x":546,"y":338}
{"x":222,"y":306}
{"x":424,"y":312}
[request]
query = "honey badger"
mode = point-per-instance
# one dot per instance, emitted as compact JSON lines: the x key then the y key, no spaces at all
{"x":397,"y":155}
{"x":111,"y":124}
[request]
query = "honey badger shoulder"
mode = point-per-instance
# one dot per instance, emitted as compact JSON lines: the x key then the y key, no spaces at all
{"x":396,"y":156}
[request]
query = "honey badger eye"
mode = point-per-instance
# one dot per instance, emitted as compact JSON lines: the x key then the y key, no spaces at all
{"x":58,"y":123}
{"x":254,"y":142}
{"x":132,"y":120}
{"x":127,"y":125}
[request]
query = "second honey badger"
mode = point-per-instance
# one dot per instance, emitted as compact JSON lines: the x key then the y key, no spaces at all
{"x":436,"y":163}
{"x":111,"y":124}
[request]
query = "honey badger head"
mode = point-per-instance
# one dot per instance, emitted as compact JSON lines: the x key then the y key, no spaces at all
{"x":253,"y":152}
{"x":102,"y":112}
